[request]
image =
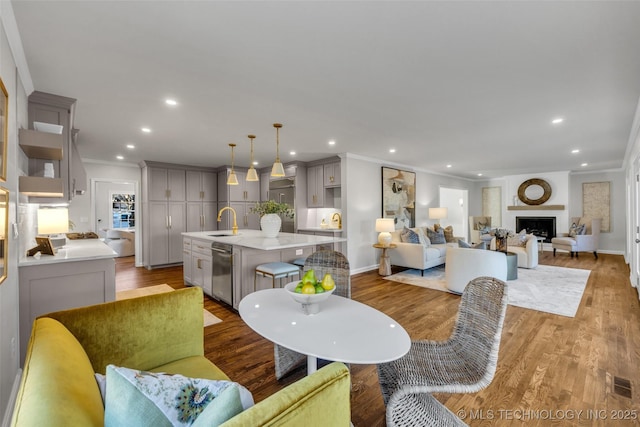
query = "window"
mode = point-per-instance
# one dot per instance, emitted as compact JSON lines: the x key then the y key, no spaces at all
{"x":123,"y":208}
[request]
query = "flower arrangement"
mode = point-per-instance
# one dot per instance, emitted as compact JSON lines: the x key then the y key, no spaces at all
{"x":272,"y":207}
{"x":502,"y":233}
{"x":501,"y":238}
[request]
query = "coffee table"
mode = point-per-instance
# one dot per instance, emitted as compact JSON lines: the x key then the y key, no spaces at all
{"x":344,"y":330}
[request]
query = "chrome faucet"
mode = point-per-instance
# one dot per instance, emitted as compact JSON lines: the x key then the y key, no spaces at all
{"x":235,"y":225}
{"x":339,"y":220}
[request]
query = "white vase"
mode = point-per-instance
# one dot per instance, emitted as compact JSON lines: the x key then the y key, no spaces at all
{"x":270,"y":225}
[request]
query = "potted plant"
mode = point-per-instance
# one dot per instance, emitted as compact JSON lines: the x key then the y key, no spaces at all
{"x":270,"y":211}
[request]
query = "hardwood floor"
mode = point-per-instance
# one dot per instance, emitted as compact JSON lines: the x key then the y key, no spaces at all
{"x":549,"y":369}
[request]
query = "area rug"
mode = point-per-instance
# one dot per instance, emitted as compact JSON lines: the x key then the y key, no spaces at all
{"x":555,"y":290}
{"x":209,"y":319}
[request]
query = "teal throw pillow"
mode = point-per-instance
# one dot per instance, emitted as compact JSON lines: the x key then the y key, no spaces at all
{"x":139,"y":398}
{"x":436,"y":237}
{"x":409,"y":236}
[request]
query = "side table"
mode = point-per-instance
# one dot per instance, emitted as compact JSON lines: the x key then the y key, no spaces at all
{"x":512,"y":265}
{"x":540,"y":240}
{"x":385,"y":263}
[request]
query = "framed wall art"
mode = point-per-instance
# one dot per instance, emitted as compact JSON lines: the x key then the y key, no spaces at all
{"x":596,"y":202}
{"x":399,"y":197}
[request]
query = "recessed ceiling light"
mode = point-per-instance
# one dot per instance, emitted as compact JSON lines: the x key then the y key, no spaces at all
{"x":171,"y":102}
{"x":120,"y":157}
{"x":576,"y":151}
{"x":293,"y":153}
{"x":255,"y":163}
{"x":146,"y":130}
{"x":479,"y":174}
{"x":332,"y":142}
{"x":557,"y":121}
{"x":584,"y":164}
{"x":449,"y":166}
{"x":131,"y":146}
{"x":392,"y":150}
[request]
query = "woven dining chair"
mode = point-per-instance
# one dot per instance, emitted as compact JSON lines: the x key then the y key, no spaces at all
{"x":321,"y":262}
{"x":464,"y":363}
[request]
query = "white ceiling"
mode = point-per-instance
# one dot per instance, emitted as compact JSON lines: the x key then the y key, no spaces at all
{"x":471,"y":84}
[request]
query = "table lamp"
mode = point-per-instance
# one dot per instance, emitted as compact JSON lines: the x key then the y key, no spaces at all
{"x":52,"y":221}
{"x":438,"y":213}
{"x":385,"y":226}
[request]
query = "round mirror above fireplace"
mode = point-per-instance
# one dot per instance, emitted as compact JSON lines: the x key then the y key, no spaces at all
{"x":534,"y":191}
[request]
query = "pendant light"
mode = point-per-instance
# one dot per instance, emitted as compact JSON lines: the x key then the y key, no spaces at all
{"x":232,"y":179}
{"x":252,"y":174}
{"x":278,"y":169}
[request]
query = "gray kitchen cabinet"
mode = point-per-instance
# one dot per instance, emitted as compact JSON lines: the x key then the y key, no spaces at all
{"x":241,"y":198}
{"x":166,"y":224}
{"x":167,"y":184}
{"x":201,"y":216}
{"x":186,"y":259}
{"x":265,"y":177}
{"x":245,"y":191}
{"x":166,"y":213}
{"x":332,"y":175}
{"x":201,"y":186}
{"x":68,"y":168}
{"x":201,"y":265}
{"x":244,"y":218}
{"x":315,"y":186}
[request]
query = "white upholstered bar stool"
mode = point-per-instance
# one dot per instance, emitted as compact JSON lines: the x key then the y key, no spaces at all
{"x":277,"y":271}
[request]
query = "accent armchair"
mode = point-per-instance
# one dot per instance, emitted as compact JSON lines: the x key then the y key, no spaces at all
{"x":479,"y":226}
{"x":587,"y":242}
{"x":464,"y":363}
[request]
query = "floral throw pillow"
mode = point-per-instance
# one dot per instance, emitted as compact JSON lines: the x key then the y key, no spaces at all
{"x":140,"y":398}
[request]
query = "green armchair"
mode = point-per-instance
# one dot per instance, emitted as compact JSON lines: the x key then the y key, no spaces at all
{"x":158,"y":333}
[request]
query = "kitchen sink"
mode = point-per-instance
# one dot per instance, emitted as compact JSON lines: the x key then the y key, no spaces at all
{"x":224,"y":235}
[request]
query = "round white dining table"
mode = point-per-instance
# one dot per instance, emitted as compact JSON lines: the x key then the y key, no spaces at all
{"x":344,"y":330}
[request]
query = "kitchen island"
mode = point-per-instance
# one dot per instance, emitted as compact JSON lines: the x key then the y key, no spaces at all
{"x":248,"y":249}
{"x":82,"y":272}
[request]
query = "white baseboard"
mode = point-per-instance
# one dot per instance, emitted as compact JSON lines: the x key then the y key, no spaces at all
{"x":364,"y":269}
{"x":8,"y":413}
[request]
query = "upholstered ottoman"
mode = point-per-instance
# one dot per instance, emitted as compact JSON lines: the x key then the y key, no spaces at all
{"x":564,"y":243}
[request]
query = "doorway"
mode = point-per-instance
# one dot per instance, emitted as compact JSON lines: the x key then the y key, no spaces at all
{"x":107,"y":214}
{"x":456,"y":200}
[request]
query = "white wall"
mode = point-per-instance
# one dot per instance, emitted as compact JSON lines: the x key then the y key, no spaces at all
{"x":362,"y":204}
{"x":80,"y":209}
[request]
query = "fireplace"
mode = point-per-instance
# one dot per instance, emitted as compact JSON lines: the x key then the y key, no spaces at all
{"x":541,"y":226}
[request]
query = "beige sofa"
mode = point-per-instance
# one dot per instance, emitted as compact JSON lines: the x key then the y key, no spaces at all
{"x":416,"y":255}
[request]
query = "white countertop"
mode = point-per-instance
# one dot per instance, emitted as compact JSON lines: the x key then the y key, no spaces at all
{"x":255,"y":240}
{"x":73,"y":250}
{"x":327,"y":229}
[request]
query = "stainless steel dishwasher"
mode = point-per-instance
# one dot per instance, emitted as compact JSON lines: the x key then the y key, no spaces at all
{"x":222,"y":272}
